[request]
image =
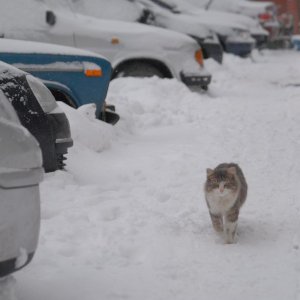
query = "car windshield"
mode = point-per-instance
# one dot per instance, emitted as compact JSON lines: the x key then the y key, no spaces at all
{"x":169,"y":6}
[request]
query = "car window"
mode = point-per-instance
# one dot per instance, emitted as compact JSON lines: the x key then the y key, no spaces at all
{"x":6,"y":110}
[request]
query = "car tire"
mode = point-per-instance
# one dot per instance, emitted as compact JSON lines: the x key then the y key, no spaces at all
{"x":139,"y":69}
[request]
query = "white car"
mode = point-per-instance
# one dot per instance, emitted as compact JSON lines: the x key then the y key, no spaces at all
{"x":256,"y":30}
{"x":265,"y":12}
{"x":133,"y":49}
{"x":245,"y":7}
{"x":131,"y":11}
{"x":20,"y":173}
{"x":235,"y":38}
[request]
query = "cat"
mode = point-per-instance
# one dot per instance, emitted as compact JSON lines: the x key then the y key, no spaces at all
{"x":225,"y":193}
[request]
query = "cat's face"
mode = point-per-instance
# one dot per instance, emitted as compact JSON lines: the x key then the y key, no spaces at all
{"x":221,"y":182}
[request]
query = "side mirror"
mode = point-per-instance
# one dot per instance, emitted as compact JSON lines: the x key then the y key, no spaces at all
{"x":147,"y":17}
{"x":50,"y":17}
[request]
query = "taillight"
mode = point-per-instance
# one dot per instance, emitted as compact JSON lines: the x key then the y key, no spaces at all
{"x":264,"y":17}
{"x":199,"y":57}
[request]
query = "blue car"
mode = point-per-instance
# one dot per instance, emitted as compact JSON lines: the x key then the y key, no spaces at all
{"x":75,"y":77}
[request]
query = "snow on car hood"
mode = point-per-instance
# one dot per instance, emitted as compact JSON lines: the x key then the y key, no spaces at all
{"x":20,"y":46}
{"x":183,"y":21}
{"x":131,"y":35}
{"x":230,"y":18}
{"x":250,"y":8}
{"x":197,"y":9}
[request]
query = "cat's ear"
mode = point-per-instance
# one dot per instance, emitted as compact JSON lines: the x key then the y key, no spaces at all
{"x":209,"y":172}
{"x":231,"y":170}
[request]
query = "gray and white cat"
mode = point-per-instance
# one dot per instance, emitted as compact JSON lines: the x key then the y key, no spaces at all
{"x":225,"y":192}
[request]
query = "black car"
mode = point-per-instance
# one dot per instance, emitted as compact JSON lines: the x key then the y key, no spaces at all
{"x":39,"y":113}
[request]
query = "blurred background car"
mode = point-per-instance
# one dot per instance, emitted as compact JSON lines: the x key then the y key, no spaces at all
{"x":266,"y":12}
{"x":251,"y":24}
{"x":20,"y":173}
{"x":74,"y":76}
{"x":234,"y":37}
{"x":133,"y":49}
{"x":39,"y":113}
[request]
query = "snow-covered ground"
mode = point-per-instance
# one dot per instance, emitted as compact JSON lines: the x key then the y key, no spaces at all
{"x":128,"y":220}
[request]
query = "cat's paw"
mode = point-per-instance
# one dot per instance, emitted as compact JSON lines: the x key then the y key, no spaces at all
{"x":229,"y":240}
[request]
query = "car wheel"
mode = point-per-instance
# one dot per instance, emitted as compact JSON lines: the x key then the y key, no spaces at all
{"x":139,"y":69}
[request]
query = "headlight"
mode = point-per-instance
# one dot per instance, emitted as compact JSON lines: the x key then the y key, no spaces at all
{"x":42,"y":94}
{"x":241,"y":32}
{"x":199,"y":57}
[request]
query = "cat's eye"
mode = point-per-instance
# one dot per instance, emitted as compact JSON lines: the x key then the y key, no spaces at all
{"x":213,"y":181}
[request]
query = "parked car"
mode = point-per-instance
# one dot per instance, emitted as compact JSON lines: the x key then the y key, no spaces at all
{"x":20,"y":173}
{"x":130,"y":11}
{"x":133,"y":49}
{"x":263,"y":11}
{"x":39,"y":113}
{"x":296,"y":42}
{"x":234,"y":37}
{"x":252,"y":25}
{"x":74,"y":76}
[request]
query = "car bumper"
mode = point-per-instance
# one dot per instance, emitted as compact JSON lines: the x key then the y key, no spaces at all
{"x":296,"y":42}
{"x":191,"y":79}
{"x":9,"y":266}
{"x":212,"y":50}
{"x":62,"y":134}
{"x":260,"y":40}
{"x":240,"y":49}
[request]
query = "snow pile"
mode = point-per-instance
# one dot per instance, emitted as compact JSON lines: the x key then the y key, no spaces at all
{"x":130,"y":222}
{"x":86,"y":130}
{"x":143,"y":106}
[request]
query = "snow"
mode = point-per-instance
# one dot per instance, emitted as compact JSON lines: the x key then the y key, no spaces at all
{"x":16,"y":46}
{"x":113,"y":9}
{"x":128,"y":219}
{"x":245,"y":7}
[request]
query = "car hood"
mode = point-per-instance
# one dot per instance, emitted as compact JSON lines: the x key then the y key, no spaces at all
{"x":257,"y":7}
{"x":232,"y":19}
{"x":185,"y":21}
{"x":131,"y":35}
{"x":20,"y":46}
{"x":182,"y":23}
{"x":250,"y":8}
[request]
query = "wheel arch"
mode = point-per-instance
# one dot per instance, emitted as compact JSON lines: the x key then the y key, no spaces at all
{"x":62,"y":93}
{"x":161,"y":66}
